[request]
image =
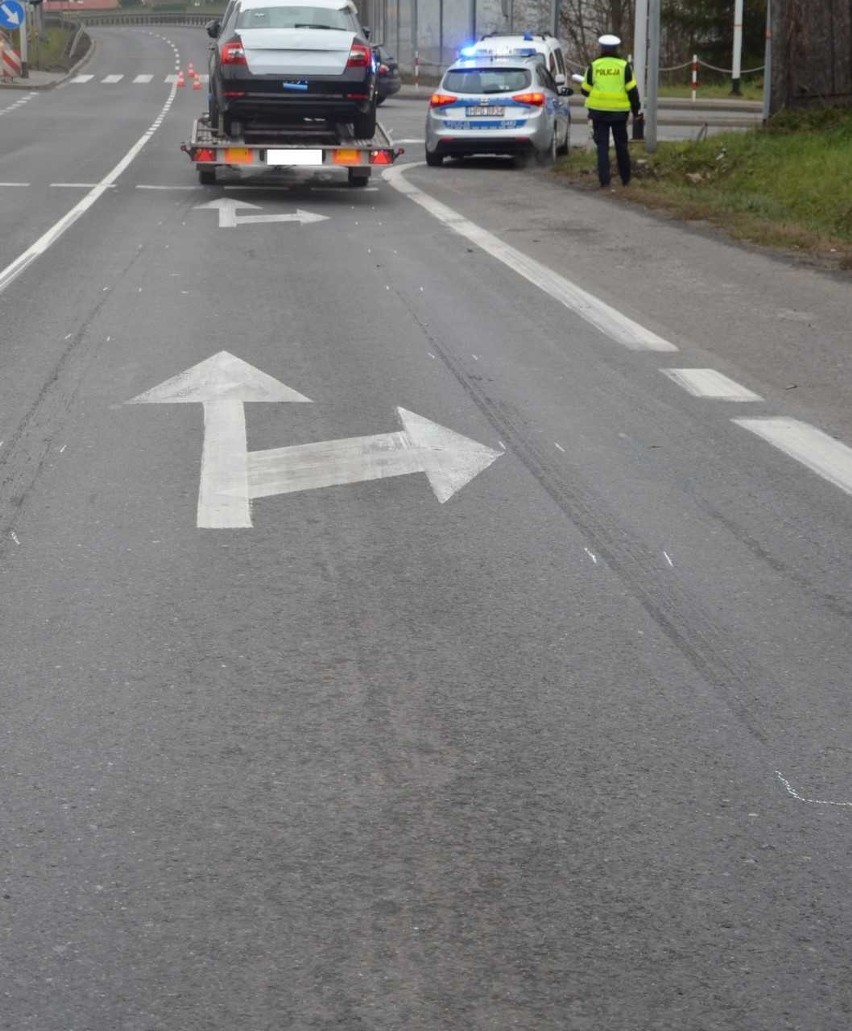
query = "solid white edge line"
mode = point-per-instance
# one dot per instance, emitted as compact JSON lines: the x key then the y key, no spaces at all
{"x":603,"y":316}
{"x":822,"y":454}
{"x":710,"y":383}
{"x":23,"y":261}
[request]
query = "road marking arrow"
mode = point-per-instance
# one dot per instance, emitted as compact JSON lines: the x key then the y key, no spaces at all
{"x":231,"y":475}
{"x":223,"y":384}
{"x":229,"y":219}
{"x":448,"y":459}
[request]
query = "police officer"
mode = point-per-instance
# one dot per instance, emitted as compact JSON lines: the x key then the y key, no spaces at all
{"x":611,"y":94}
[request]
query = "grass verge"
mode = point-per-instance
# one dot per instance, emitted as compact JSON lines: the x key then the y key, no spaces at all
{"x":785,"y":187}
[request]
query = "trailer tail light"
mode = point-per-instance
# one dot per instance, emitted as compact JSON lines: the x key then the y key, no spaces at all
{"x":442,"y":99}
{"x":204,"y":154}
{"x":360,"y":56}
{"x":532,"y":99}
{"x":232,"y":53}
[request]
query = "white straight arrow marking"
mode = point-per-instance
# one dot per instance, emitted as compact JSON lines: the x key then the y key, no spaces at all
{"x":448,"y":459}
{"x":223,"y":491}
{"x":223,"y":384}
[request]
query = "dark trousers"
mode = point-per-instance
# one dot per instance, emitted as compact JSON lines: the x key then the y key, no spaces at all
{"x":601,"y":125}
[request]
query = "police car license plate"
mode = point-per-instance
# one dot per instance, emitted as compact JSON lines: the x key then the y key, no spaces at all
{"x":485,"y":112}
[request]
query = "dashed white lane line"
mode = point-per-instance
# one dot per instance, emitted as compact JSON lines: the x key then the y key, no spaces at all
{"x":143,"y":78}
{"x":110,"y":80}
{"x":75,"y":186}
{"x":79,"y":79}
{"x":600,"y":314}
{"x":14,"y":184}
{"x":712,"y":384}
{"x":46,"y":240}
{"x":822,"y":454}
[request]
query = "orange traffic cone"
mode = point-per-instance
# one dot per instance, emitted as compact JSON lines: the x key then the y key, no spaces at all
{"x":181,"y":81}
{"x":196,"y":83}
{"x":190,"y":70}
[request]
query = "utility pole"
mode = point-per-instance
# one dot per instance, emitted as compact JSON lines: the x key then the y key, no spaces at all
{"x":554,"y":17}
{"x":738,"y":48}
{"x":640,"y":47}
{"x":767,"y":65}
{"x":653,"y":75}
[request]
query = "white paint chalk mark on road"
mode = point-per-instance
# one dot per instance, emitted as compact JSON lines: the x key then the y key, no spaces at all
{"x":800,"y":798}
{"x":603,"y":316}
{"x":821,"y":453}
{"x":23,"y":261}
{"x":712,"y":384}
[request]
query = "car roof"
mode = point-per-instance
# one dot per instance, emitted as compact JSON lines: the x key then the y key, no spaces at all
{"x":334,"y":5}
{"x":497,"y":61}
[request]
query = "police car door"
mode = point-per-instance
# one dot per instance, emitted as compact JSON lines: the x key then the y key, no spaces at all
{"x":557,"y":105}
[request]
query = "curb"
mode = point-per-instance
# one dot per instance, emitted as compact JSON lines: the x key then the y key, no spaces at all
{"x":56,"y":77}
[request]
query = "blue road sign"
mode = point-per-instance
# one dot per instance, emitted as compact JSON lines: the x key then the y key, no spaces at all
{"x":11,"y":14}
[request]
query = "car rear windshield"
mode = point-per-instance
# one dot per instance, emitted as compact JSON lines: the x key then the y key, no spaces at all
{"x":295,"y":18}
{"x":487,"y":80}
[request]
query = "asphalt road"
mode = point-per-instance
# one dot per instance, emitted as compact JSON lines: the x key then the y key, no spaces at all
{"x":568,"y":749}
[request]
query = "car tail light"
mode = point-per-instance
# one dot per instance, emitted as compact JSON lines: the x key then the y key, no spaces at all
{"x":442,"y":99}
{"x":357,"y":96}
{"x":233,"y":53}
{"x":383,"y":69}
{"x":360,"y":56}
{"x":533,"y":99}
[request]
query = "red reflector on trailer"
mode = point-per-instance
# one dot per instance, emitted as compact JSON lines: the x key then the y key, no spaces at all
{"x":381,"y":157}
{"x":204,"y":154}
{"x":357,"y":96}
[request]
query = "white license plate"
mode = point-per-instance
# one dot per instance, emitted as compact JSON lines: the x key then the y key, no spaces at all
{"x":293,"y":157}
{"x":485,"y":112}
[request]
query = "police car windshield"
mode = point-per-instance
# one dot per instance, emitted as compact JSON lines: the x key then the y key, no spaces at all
{"x":487,"y":80}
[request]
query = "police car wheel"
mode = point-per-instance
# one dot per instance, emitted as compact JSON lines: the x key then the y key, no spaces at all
{"x":562,"y":149}
{"x":434,"y":160}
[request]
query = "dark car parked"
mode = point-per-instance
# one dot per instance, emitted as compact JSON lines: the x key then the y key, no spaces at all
{"x":279,"y":62}
{"x":388,"y":81}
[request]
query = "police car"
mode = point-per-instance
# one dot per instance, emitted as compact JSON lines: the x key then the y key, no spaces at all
{"x":500,"y":44}
{"x":498,"y":105}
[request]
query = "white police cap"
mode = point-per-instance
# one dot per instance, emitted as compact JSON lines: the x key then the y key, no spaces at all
{"x":609,"y":41}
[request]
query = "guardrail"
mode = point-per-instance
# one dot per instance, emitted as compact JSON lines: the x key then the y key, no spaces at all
{"x":151,"y":17}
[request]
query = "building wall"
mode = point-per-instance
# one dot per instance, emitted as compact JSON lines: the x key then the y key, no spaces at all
{"x":435,"y":30}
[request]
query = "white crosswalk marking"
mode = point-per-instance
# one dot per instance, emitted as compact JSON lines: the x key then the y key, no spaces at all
{"x":139,"y":80}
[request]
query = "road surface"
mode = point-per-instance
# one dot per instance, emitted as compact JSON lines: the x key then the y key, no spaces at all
{"x":452,"y":633}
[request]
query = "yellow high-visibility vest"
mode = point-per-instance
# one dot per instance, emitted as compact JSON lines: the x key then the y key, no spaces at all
{"x":605,"y":85}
